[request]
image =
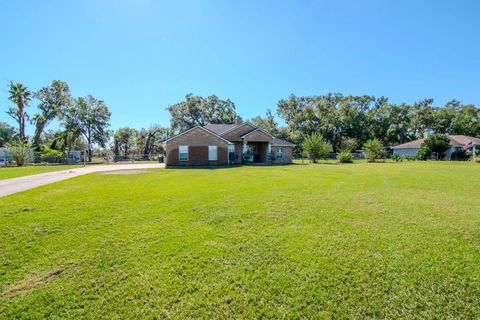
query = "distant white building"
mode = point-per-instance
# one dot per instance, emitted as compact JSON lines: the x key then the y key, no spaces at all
{"x":456,"y":144}
{"x":75,"y":157}
{"x":5,"y":156}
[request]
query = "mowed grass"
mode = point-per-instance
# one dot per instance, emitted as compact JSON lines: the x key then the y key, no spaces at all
{"x":385,"y":240}
{"x":14,"y":172}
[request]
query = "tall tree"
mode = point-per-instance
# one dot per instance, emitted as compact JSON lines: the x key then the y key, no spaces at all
{"x":7,"y":133}
{"x":300,"y":115}
{"x":20,"y":96}
{"x":353,"y":114}
{"x":399,"y":130}
{"x":89,"y":118}
{"x":151,"y":139}
{"x":444,"y":117}
{"x":125,"y":140}
{"x":196,"y":110}
{"x":63,"y":140}
{"x":422,"y":117}
{"x":379,"y":118}
{"x":268,"y":123}
{"x":467,"y":121}
{"x":54,"y":99}
{"x":329,"y":124}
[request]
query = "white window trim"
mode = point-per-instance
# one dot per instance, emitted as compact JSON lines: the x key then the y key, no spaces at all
{"x":279,"y":152}
{"x":216,"y":153}
{"x":179,"y":158}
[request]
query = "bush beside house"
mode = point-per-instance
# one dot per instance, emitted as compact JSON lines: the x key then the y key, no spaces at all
{"x":316,"y":148}
{"x":374,"y":150}
{"x":345,"y":157}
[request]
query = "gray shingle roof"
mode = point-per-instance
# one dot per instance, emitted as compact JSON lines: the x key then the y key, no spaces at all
{"x":455,"y":140}
{"x":220,"y":128}
{"x":416,"y":144}
{"x":280,"y":142}
{"x":461,"y":140}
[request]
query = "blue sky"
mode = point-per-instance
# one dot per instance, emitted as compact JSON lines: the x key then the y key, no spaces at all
{"x":142,"y":55}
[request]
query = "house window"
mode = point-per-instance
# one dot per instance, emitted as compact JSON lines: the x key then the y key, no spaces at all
{"x":279,"y":152}
{"x":231,"y":152}
{"x":212,"y":153}
{"x":183,"y":153}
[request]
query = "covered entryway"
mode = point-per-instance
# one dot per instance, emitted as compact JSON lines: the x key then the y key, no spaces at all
{"x":257,"y":146}
{"x":257,"y":152}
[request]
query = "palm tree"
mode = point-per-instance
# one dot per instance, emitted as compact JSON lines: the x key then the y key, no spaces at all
{"x":20,"y":96}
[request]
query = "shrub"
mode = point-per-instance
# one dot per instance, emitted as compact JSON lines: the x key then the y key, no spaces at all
{"x":47,"y":152}
{"x":396,"y":157}
{"x":348,"y":144}
{"x":20,"y":152}
{"x":424,"y":153}
{"x":345,"y":157}
{"x":438,"y":144}
{"x":374,"y":150}
{"x":316,"y":148}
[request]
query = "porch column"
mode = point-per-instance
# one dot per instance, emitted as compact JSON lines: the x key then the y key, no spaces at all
{"x":244,"y":149}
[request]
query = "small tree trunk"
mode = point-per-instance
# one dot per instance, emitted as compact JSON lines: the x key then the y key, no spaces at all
{"x":146,"y":149}
{"x":89,"y":151}
{"x":115,"y":148}
{"x":22,"y":123}
{"x":40,"y":125}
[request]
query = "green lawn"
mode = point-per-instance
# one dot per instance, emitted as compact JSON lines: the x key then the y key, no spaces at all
{"x":14,"y":172}
{"x":385,"y":240}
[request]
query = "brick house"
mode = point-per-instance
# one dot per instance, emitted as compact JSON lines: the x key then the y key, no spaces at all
{"x":224,"y":144}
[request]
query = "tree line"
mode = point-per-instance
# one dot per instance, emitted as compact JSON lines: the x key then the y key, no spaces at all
{"x":346,"y":122}
{"x":84,"y":123}
{"x":143,"y":143}
{"x":354,"y":120}
{"x":84,"y":120}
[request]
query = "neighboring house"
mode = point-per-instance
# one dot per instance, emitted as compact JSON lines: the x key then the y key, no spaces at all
{"x":223,"y":144}
{"x":456,"y":144}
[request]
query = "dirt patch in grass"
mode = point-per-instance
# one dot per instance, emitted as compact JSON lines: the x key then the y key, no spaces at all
{"x":31,"y":281}
{"x":133,"y":171}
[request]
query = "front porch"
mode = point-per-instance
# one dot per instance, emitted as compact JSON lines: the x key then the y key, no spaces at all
{"x":256,"y":152}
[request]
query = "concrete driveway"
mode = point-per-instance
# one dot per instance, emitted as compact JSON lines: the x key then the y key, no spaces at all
{"x":14,"y":185}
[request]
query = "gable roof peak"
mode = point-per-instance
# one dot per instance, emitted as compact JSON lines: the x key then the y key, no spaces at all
{"x":198,"y":127}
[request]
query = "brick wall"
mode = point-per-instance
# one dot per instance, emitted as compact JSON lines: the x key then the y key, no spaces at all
{"x":197,"y":141}
{"x":287,"y":155}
